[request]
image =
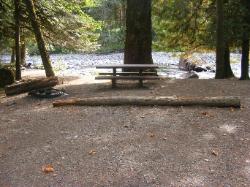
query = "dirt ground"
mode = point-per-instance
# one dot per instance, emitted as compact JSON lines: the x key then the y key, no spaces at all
{"x":127,"y":146}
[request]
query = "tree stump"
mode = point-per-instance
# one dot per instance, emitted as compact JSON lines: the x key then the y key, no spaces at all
{"x":6,"y":77}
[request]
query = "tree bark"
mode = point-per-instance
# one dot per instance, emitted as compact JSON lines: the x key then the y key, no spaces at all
{"x":23,"y":52}
{"x":29,"y":85}
{"x":245,"y":60}
{"x":17,"y":39}
{"x":220,"y":41}
{"x":138,"y":44}
{"x":245,"y":41}
{"x":228,"y":73}
{"x":152,"y":101}
{"x":39,"y":38}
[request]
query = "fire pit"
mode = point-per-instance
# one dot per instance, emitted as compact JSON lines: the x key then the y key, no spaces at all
{"x":47,"y":93}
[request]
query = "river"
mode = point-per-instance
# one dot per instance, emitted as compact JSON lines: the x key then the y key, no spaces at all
{"x":84,"y":64}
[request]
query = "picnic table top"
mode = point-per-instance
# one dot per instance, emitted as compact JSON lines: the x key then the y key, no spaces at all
{"x":128,"y":66}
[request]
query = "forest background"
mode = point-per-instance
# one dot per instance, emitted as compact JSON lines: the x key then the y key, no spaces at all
{"x":99,"y":25}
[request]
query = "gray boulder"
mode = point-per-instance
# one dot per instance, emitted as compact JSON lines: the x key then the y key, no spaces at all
{"x":190,"y":75}
{"x":188,"y":62}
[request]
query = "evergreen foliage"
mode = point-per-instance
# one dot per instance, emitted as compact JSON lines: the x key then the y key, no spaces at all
{"x":92,"y":25}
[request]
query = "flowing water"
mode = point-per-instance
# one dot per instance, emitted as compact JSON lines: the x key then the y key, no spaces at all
{"x":84,"y":64}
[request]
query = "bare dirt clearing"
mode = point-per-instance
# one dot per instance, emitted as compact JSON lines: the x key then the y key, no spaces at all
{"x":127,"y":146}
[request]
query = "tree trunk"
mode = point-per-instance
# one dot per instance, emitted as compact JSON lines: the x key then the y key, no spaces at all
{"x":245,"y":41}
{"x":29,"y":85}
{"x":23,"y":52}
{"x":220,"y":41}
{"x":228,"y":73}
{"x":39,"y":38}
{"x":138,"y":44}
{"x":123,"y":13}
{"x":152,"y":101}
{"x":245,"y":60}
{"x":17,"y":39}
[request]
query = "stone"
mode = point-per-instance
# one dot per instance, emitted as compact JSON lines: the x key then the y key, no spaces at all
{"x":199,"y":69}
{"x":190,"y":75}
{"x":193,"y":76}
{"x":189,"y":62}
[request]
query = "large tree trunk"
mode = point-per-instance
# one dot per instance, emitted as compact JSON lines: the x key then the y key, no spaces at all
{"x":29,"y":85}
{"x":152,"y":101}
{"x":17,"y":39}
{"x":245,"y":41}
{"x":39,"y":38}
{"x":123,"y":14}
{"x":245,"y":60}
{"x":138,"y":44}
{"x":23,"y":52}
{"x":220,"y":41}
{"x":228,"y":73}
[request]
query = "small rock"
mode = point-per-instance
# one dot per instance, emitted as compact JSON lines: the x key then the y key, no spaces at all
{"x":190,"y":75}
{"x":199,"y":69}
{"x":193,"y":76}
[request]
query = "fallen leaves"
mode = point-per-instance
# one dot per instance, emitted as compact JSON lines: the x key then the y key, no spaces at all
{"x":92,"y":152}
{"x":232,"y":109}
{"x":215,"y":153}
{"x":206,"y":114}
{"x":48,"y":168}
{"x":151,"y":135}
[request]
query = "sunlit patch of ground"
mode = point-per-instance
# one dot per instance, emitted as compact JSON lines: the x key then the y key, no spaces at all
{"x":228,"y":128}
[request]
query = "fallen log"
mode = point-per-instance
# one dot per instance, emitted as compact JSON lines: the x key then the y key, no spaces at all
{"x":31,"y":84}
{"x":152,"y":101}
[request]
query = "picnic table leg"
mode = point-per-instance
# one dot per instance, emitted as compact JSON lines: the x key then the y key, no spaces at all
{"x":114,"y":80}
{"x":140,"y":80}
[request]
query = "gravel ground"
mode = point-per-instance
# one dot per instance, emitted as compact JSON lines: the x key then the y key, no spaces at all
{"x":127,"y":146}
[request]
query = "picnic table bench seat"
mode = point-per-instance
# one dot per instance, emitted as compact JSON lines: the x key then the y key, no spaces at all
{"x":138,"y":72}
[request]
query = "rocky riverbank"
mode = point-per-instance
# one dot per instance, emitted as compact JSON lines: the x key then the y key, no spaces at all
{"x":84,"y":64}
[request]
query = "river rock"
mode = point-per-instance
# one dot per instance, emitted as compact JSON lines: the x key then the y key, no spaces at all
{"x":6,"y":77}
{"x":190,"y":75}
{"x":188,"y":62}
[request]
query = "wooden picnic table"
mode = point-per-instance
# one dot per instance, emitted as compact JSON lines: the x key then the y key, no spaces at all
{"x":136,"y":72}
